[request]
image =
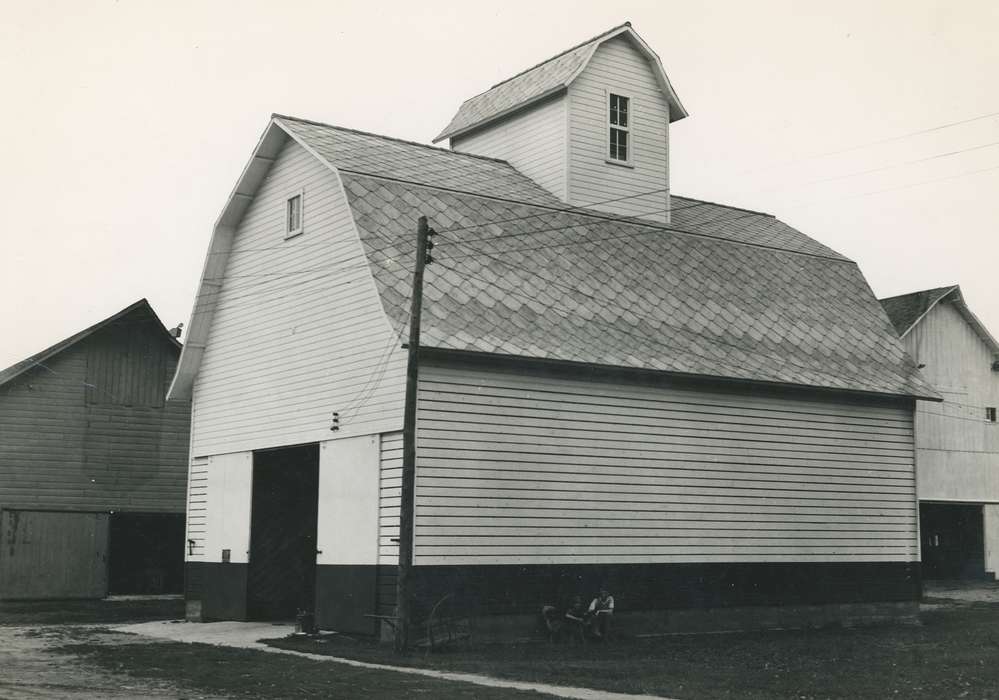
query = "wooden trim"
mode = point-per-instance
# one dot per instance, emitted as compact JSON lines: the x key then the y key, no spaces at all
{"x":585,"y":370}
{"x":509,"y":112}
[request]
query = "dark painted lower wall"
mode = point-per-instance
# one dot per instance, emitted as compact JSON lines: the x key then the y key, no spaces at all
{"x":504,"y":590}
{"x":221,"y":588}
{"x":345,"y":594}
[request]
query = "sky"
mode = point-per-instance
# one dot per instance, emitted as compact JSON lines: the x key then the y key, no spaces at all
{"x":871,"y":126}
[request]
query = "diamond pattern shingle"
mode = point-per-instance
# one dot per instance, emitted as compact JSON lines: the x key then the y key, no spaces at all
{"x":565,"y":285}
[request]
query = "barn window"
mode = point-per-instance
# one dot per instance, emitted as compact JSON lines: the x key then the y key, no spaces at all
{"x":990,"y":414}
{"x":294,"y":215}
{"x":619,"y":125}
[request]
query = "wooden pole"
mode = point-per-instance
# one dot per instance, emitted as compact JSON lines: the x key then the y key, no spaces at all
{"x":403,"y":587}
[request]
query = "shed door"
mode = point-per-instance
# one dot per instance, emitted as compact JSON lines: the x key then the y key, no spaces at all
{"x":47,"y":554}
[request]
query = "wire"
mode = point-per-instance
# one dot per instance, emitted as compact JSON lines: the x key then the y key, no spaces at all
{"x":886,"y":167}
{"x":576,"y":208}
{"x":873,"y":143}
{"x":893,"y":189}
{"x":654,"y":341}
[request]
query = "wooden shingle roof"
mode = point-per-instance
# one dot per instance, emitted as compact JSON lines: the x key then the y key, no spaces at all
{"x":720,"y":292}
{"x":548,"y":78}
{"x":907,"y":310}
{"x":589,"y":288}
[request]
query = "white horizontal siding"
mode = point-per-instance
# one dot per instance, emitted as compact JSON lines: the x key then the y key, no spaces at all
{"x":514,"y":468}
{"x":533,"y":141}
{"x":298,"y":331}
{"x":618,"y":67}
{"x":958,"y":449}
{"x":197,"y":510}
{"x":389,"y":498}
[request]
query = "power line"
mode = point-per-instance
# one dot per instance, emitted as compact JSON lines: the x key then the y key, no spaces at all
{"x":894,"y":189}
{"x":711,"y":339}
{"x":872,"y":143}
{"x":890,"y":167}
{"x":576,"y":208}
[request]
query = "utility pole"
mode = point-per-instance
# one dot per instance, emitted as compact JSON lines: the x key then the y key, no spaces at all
{"x":403,"y":587}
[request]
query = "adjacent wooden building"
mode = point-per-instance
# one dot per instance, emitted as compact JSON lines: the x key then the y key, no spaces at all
{"x":93,"y":464}
{"x":695,"y":405}
{"x":957,"y":442}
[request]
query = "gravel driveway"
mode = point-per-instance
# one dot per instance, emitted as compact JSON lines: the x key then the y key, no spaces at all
{"x":29,"y":670}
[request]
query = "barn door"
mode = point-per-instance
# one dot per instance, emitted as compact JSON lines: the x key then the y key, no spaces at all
{"x":281,"y":577}
{"x":953,"y":541}
{"x":48,"y":554}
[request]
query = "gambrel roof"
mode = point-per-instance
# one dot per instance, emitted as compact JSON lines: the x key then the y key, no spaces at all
{"x":907,"y":310}
{"x":720,"y":292}
{"x":548,"y":78}
{"x":39,"y":358}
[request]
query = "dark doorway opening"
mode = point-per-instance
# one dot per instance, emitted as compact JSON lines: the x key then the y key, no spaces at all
{"x":281,"y":577}
{"x":146,"y":553}
{"x":953,"y":541}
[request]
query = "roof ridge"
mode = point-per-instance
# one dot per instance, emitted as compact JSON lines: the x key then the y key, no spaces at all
{"x":313,"y":122}
{"x":948,"y":287}
{"x":726,"y":206}
{"x":552,"y":58}
{"x":18,"y":368}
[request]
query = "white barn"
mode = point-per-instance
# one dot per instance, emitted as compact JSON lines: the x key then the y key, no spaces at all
{"x":957,"y":441}
{"x":696,"y":405}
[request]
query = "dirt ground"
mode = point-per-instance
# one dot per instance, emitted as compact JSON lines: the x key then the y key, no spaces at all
{"x":31,"y":670}
{"x":72,"y":653}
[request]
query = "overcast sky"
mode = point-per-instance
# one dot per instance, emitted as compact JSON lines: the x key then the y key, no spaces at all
{"x":126,"y":125}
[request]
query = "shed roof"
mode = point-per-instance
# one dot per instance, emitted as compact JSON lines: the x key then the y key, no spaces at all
{"x":548,"y":78}
{"x":721,"y":292}
{"x":19,"y":368}
{"x":907,"y":310}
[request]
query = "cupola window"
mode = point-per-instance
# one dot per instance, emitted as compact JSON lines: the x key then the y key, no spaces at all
{"x":619,"y":115}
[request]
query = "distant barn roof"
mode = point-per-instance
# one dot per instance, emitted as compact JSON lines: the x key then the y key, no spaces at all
{"x":907,"y":310}
{"x":548,"y":78}
{"x":39,"y":358}
{"x":720,"y":292}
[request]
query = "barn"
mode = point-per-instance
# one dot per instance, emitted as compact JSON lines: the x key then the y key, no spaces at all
{"x":957,"y":441}
{"x":695,"y":405}
{"x":93,"y":464}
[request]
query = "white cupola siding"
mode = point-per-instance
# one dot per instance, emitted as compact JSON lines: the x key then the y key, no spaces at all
{"x":564,"y":140}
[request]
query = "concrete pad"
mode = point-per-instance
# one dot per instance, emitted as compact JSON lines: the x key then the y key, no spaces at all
{"x":246,"y":635}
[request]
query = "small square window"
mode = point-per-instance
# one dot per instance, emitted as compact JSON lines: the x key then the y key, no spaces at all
{"x":990,"y":414}
{"x":293,"y":215}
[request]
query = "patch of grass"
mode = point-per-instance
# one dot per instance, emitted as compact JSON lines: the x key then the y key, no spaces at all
{"x":246,"y":673}
{"x":954,"y":653}
{"x":58,"y":612}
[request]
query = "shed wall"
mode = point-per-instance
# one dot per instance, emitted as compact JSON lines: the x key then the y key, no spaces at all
{"x":618,"y":67}
{"x":113,"y":446}
{"x":298,"y":330}
{"x":520,"y":468}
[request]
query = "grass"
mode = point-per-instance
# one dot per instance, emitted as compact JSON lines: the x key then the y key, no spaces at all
{"x":953,"y":654}
{"x":57,"y":612}
{"x":245,"y":673}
